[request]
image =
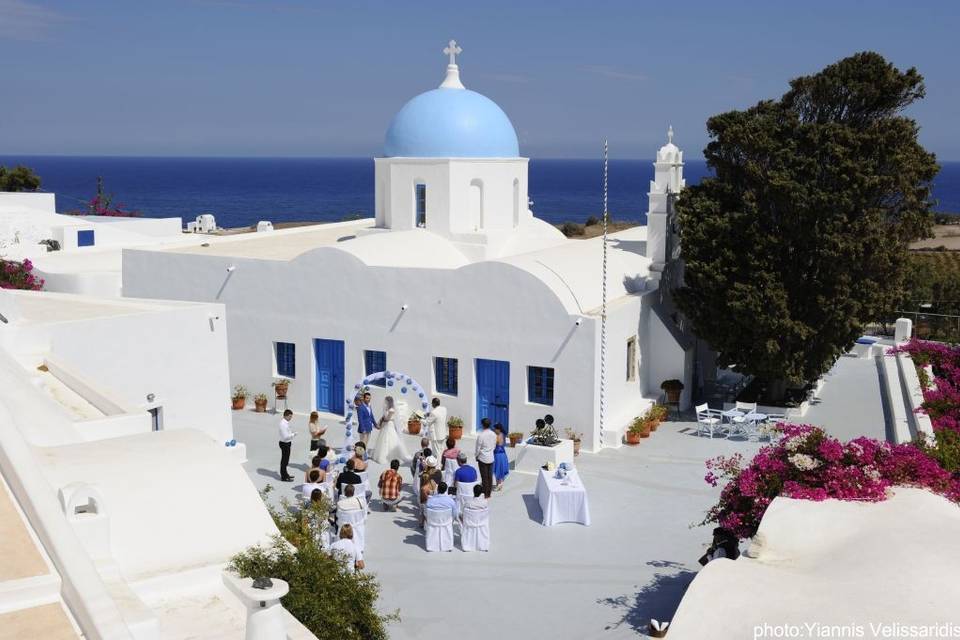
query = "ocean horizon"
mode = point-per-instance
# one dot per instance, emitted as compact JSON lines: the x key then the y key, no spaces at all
{"x":240,"y":191}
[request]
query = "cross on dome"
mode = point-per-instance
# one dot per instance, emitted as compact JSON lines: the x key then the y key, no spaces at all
{"x":670,"y":134}
{"x":453,"y":50}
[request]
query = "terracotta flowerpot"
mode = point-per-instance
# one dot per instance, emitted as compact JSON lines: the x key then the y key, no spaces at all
{"x":260,"y":406}
{"x":576,"y":447}
{"x":239,"y":403}
{"x":645,"y":433}
{"x":673,"y":395}
{"x":633,"y":438}
{"x":455,"y":432}
{"x":654,"y":425}
{"x":515,"y":440}
{"x":281,"y":391}
{"x":413,"y":427}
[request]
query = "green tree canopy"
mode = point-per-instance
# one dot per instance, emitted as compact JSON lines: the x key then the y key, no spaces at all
{"x":801,"y":236}
{"x":19,"y":178}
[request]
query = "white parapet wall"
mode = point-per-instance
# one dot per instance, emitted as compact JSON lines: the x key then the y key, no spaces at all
{"x":913,"y":395}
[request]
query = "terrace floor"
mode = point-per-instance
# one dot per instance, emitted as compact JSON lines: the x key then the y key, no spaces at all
{"x":851,"y":403}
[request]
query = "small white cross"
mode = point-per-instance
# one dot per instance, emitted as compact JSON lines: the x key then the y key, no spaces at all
{"x":452,"y":50}
{"x":670,"y":134}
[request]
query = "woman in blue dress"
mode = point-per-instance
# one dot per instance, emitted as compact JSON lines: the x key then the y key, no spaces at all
{"x":501,"y":463}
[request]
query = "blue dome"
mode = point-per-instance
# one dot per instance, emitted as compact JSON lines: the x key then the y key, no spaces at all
{"x":451,"y":123}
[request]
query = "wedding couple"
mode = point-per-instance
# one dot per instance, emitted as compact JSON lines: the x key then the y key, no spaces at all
{"x":388,"y":445}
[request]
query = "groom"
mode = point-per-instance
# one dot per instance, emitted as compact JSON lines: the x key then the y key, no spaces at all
{"x":365,"y":420}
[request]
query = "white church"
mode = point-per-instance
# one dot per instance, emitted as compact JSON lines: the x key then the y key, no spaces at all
{"x":454,"y":282}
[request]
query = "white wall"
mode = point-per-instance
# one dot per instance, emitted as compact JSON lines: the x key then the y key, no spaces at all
{"x":485,"y":310}
{"x":178,"y":354}
{"x":625,"y":397}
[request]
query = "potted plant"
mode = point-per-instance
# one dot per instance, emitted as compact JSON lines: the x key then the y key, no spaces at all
{"x":639,"y":428}
{"x":576,"y":437}
{"x":672,"y":388}
{"x":657,"y":414}
{"x":280,"y":388}
{"x":455,"y":427}
{"x":515,"y":438}
{"x":239,"y":397}
{"x":413,"y":423}
{"x":260,"y":403}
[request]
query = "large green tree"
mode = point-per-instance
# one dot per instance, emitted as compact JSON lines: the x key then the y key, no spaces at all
{"x":19,"y":178}
{"x":801,"y":235}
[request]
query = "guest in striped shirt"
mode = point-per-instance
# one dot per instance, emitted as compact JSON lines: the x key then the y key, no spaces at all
{"x":390,"y":484}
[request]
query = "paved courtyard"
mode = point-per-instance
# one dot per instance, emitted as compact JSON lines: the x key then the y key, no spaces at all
{"x":602,"y":581}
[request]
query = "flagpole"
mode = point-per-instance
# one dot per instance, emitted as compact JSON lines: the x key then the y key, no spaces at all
{"x":603,"y":307}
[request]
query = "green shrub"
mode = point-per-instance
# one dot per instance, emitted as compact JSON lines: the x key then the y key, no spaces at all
{"x":326,"y":598}
{"x":571,"y":229}
{"x":19,"y":178}
{"x":945,"y":449}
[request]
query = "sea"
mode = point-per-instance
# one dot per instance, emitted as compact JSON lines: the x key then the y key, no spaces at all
{"x":242,"y":191}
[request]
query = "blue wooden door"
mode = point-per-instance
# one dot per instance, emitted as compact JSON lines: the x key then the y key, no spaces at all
{"x":329,"y":357}
{"x":493,"y":391}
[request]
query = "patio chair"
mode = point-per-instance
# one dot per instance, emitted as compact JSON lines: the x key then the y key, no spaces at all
{"x":708,"y":420}
{"x":740,"y":424}
{"x":475,"y":532}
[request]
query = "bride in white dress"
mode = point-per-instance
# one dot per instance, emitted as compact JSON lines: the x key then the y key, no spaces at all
{"x":389,"y":444}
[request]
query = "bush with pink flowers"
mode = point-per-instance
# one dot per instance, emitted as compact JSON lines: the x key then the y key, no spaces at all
{"x":810,"y":465}
{"x":942,"y":401}
{"x":19,"y":275}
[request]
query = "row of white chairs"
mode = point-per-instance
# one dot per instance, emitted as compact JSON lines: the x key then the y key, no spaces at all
{"x":474,"y":529}
{"x":711,"y":422}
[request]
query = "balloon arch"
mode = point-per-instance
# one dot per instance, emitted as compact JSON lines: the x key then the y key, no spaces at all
{"x":406,"y":385}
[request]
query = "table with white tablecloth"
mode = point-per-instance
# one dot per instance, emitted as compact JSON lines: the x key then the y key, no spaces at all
{"x":562,"y":500}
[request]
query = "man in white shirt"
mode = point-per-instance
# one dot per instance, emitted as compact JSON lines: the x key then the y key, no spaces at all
{"x":346,"y":550}
{"x":486,"y":442}
{"x":350,"y":501}
{"x":286,"y":441}
{"x":437,"y":427}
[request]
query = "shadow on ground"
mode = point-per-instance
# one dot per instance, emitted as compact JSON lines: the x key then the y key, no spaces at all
{"x":657,"y":599}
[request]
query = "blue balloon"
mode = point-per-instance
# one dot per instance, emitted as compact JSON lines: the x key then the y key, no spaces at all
{"x":424,"y":405}
{"x":366,"y":381}
{"x":389,"y":383}
{"x":341,"y":460}
{"x":227,"y":443}
{"x":233,"y":443}
{"x":403,"y":389}
{"x":420,"y":395}
{"x":409,"y":381}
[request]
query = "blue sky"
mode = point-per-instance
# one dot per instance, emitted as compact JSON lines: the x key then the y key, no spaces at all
{"x":237,"y":77}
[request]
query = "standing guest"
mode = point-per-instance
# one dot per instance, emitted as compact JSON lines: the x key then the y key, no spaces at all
{"x":501,"y":463}
{"x":286,"y":441}
{"x":390,"y":484}
{"x":317,"y":517}
{"x":348,"y":476}
{"x":316,"y":431}
{"x":436,"y":424}
{"x":359,"y":461}
{"x":442,"y":500}
{"x":416,"y":464}
{"x":347,"y":551}
{"x":365,"y":419}
{"x":486,"y":442}
{"x":465,"y":473}
{"x":452,"y":452}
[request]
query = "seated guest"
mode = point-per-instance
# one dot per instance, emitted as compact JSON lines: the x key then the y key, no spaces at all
{"x":315,"y":518}
{"x":416,"y":465}
{"x":314,"y":465}
{"x":348,"y":476}
{"x":442,"y":500}
{"x":452,"y":451}
{"x":430,"y":469}
{"x":390,"y":484}
{"x":465,"y":473}
{"x":359,"y":457}
{"x":347,"y":551}
{"x":350,"y":501}
{"x":313,"y":483}
{"x":478,"y":501}
{"x":428,"y":486}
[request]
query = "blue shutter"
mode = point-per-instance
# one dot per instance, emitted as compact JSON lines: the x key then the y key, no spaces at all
{"x":445,"y":370}
{"x":286,"y":359}
{"x":375,"y":362}
{"x":85,"y":238}
{"x":540,"y":385}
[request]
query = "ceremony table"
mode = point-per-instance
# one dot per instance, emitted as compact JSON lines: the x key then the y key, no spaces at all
{"x":562,"y":500}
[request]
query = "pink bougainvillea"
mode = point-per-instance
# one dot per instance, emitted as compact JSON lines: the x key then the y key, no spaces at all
{"x":808,"y":464}
{"x":19,"y":275}
{"x":942,"y":402}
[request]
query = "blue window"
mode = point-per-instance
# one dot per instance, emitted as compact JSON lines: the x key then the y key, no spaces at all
{"x":445,"y":370}
{"x":540,"y":385}
{"x":421,"y":196}
{"x":286,"y":359}
{"x":375,"y":362}
{"x":85,"y":238}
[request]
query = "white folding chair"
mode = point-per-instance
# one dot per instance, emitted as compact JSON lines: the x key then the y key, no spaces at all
{"x":465,"y":490}
{"x":449,"y":470}
{"x":740,"y":423}
{"x":356,"y":518}
{"x":439,"y":533}
{"x":475,"y":534}
{"x":365,"y":483}
{"x":708,"y":420}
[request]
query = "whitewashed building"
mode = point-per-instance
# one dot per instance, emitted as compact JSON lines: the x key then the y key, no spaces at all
{"x":454,"y":283}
